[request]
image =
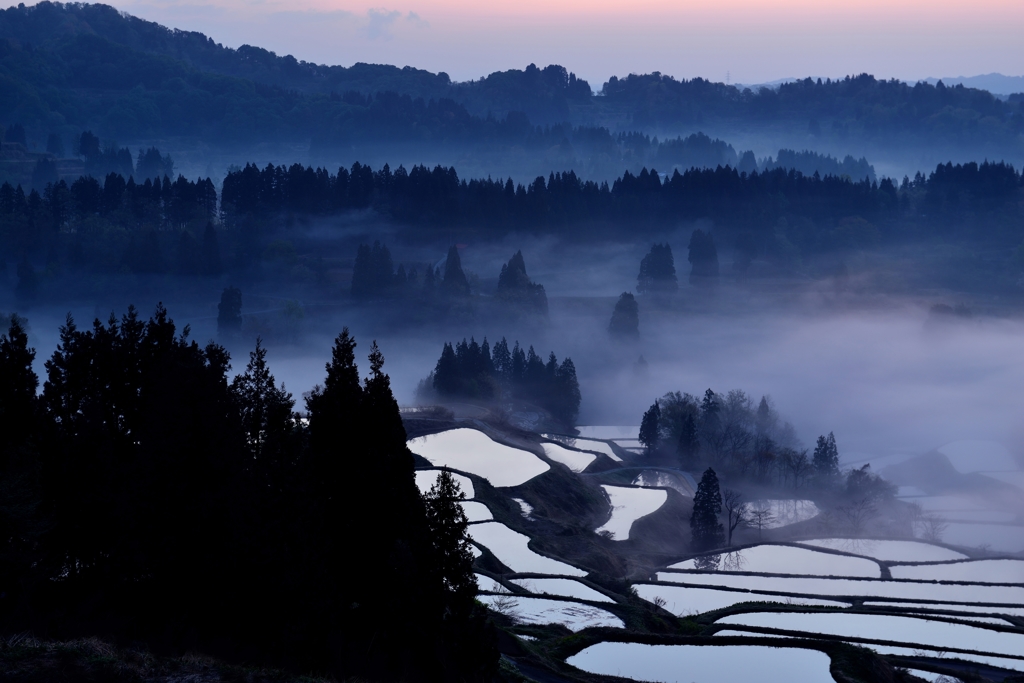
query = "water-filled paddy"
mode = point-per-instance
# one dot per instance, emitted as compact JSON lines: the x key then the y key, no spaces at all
{"x":629,"y":505}
{"x":888,"y":551}
{"x":932,"y":634}
{"x":998,"y":537}
{"x":984,"y":571}
{"x":683,"y":601}
{"x":703,"y":664}
{"x":473,"y":451}
{"x":781,"y":559}
{"x":574,"y":460}
{"x":575,"y":616}
{"x":785,"y":512}
{"x":906,"y":590}
{"x":564,"y":587}
{"x":427,"y":478}
{"x":597,"y":447}
{"x":608,"y":431}
{"x":511,"y":549}
{"x":476,"y":512}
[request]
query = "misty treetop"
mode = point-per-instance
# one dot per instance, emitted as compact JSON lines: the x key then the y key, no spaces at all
{"x":144,"y":495}
{"x":657,"y":271}
{"x":517,"y":292}
{"x":625,"y":322}
{"x":471,"y":370}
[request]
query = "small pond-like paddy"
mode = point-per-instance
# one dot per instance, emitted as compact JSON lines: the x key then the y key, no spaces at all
{"x":628,"y":505}
{"x":781,"y":559}
{"x":470,"y":450}
{"x":703,"y":664}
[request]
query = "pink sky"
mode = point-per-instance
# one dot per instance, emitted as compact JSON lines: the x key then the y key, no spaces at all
{"x":752,"y":41}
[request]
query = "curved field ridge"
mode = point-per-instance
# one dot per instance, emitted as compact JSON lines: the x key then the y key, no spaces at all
{"x":629,"y":505}
{"x":473,"y":451}
{"x":782,"y":559}
{"x":575,"y":616}
{"x":888,"y":551}
{"x":981,"y":571}
{"x":564,"y":587}
{"x":950,"y":607}
{"x":574,"y":460}
{"x":882,"y":627}
{"x":703,"y":663}
{"x":427,"y":478}
{"x":511,"y":549}
{"x":684,"y":601}
{"x":904,"y":590}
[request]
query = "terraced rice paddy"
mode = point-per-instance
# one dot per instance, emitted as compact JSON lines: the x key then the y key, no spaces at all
{"x":703,"y":664}
{"x":781,"y":559}
{"x":576,"y":461}
{"x":628,"y":505}
{"x":937,"y":635}
{"x":888,"y":551}
{"x":905,"y":590}
{"x":470,"y":450}
{"x":684,"y":601}
{"x":512,"y":550}
{"x":984,"y":571}
{"x":564,"y":587}
{"x":785,"y":512}
{"x":575,"y":616}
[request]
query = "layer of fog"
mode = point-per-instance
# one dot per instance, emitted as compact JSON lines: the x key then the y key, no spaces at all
{"x":876,"y":371}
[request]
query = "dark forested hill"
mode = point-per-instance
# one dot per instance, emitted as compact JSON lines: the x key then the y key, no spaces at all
{"x":73,"y":67}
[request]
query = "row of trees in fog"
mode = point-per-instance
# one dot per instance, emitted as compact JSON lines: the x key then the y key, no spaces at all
{"x":471,"y":370}
{"x":739,"y":437}
{"x":165,"y":226}
{"x":146,"y":494}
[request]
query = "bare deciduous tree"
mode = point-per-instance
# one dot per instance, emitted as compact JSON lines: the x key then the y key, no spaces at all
{"x":933,"y":526}
{"x":736,"y":511}
{"x":761,"y":518}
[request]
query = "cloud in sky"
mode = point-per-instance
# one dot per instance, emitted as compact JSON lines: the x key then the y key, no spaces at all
{"x":379,"y":24}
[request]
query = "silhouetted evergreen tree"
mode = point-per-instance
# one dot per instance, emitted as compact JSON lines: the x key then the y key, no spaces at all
{"x":454,"y":282}
{"x":625,"y":323}
{"x":229,"y":311}
{"x":657,"y":271}
{"x":689,"y":441}
{"x":650,"y":428}
{"x":705,"y":528}
{"x":826,"y":460}
{"x":517,"y":292}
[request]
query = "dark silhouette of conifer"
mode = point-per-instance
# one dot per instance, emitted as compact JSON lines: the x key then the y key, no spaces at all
{"x":650,"y":428}
{"x":625,"y":323}
{"x":826,"y":460}
{"x":448,"y":526}
{"x":657,"y":271}
{"x":705,"y":528}
{"x":229,"y":311}
{"x":689,"y":441}
{"x":517,"y":291}
{"x":454,"y":282}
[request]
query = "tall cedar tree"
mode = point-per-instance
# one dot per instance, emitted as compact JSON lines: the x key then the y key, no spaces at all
{"x":625,"y":322}
{"x":657,"y":271}
{"x":454,"y":282}
{"x":689,"y":441}
{"x":705,"y":528}
{"x":229,"y":311}
{"x":520,"y":295}
{"x":21,"y":521}
{"x":826,"y":460}
{"x":650,"y":429}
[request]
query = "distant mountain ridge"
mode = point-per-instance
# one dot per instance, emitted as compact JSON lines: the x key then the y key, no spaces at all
{"x":995,"y":83}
